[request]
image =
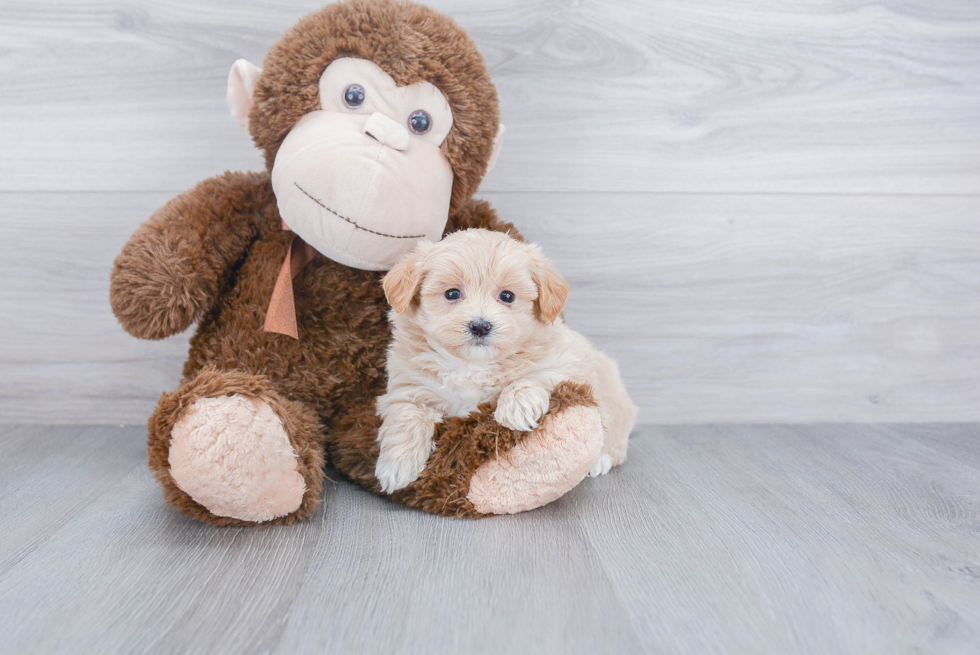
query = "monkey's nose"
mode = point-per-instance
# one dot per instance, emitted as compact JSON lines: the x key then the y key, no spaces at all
{"x":387,"y":131}
{"x":480,"y":328}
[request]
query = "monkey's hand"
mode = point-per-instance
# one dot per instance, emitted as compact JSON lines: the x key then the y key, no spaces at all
{"x":172,"y":267}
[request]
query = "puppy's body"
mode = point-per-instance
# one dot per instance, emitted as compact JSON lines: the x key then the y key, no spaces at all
{"x":418,"y":373}
{"x":448,"y":354}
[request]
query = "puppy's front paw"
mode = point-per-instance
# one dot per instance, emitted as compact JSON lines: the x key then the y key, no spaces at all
{"x":406,"y":443}
{"x":396,"y":473}
{"x":521,"y":407}
{"x":602,"y":466}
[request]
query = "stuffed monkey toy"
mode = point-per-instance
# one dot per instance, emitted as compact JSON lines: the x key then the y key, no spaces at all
{"x":378,"y":120}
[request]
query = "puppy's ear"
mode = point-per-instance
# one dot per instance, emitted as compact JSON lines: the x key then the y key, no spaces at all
{"x":552,"y":287}
{"x":403,"y":280}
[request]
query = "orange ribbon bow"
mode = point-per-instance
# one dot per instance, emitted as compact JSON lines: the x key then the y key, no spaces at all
{"x":281,"y":315}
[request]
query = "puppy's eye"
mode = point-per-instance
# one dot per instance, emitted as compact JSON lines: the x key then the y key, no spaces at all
{"x":454,"y":294}
{"x":354,"y":96}
{"x":420,"y":122}
{"x":507,"y":296}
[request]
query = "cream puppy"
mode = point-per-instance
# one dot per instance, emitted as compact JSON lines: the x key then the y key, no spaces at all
{"x":477,"y":317}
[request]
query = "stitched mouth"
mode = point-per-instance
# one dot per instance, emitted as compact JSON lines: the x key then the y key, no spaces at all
{"x":354,"y":223}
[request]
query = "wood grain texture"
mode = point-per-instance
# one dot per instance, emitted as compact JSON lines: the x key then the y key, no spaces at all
{"x":719,"y":308}
{"x":755,"y":308}
{"x":767,"y":211}
{"x":62,"y":353}
{"x":826,"y":515}
{"x":620,"y":95}
{"x":51,"y":475}
{"x":711,"y":539}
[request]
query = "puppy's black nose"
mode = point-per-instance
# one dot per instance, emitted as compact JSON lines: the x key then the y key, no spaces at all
{"x":480,"y":328}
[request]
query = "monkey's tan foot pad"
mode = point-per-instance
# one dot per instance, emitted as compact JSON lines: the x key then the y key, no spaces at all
{"x":232,"y":455}
{"x":540,"y":469}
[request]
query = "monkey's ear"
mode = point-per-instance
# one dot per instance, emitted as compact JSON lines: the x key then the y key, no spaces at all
{"x":403,"y":280}
{"x":498,"y":141}
{"x":552,"y":287}
{"x":241,"y":85}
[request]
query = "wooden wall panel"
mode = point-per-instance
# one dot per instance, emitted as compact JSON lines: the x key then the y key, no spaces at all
{"x":752,"y":308}
{"x":768,"y":210}
{"x":622,"y":95}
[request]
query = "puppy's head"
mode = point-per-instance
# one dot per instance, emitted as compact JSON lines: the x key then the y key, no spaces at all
{"x":479,"y":295}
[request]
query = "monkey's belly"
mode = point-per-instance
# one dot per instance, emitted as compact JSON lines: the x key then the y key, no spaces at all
{"x":339,"y":358}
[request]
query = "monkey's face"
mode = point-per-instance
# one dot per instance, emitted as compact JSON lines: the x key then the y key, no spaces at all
{"x":364,"y":178}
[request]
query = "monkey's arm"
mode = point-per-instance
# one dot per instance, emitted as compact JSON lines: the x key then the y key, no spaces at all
{"x":176,"y":262}
{"x":479,"y":467}
{"x":479,"y":213}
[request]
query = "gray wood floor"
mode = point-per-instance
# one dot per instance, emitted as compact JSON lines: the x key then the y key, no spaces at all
{"x":711,"y":539}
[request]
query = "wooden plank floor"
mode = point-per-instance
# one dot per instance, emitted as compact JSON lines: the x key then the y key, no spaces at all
{"x":711,"y":539}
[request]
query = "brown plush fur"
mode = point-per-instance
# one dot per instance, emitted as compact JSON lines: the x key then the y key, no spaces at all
{"x":301,"y":424}
{"x":462,"y":445}
{"x":173,"y":266}
{"x":212,"y":255}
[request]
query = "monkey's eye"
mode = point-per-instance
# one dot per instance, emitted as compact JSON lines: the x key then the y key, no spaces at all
{"x":507,"y":296}
{"x":354,"y":96}
{"x":454,"y":294}
{"x":420,"y":122}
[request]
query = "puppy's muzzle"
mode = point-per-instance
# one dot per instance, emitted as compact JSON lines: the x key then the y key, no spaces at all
{"x":480,"y":328}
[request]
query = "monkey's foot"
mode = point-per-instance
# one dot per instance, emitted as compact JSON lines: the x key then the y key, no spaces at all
{"x":227,"y":449}
{"x":232,"y":455}
{"x":550,"y":461}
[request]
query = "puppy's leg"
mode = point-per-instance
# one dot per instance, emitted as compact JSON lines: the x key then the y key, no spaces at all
{"x":522,"y":404}
{"x":617,"y":411}
{"x":406,"y":443}
{"x":602,"y":466}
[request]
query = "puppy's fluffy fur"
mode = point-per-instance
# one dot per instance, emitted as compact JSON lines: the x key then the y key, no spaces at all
{"x":449,"y":354}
